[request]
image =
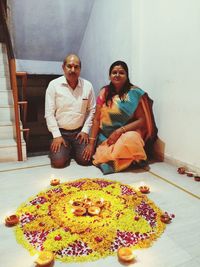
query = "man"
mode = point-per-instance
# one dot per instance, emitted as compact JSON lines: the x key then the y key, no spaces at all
{"x":69,"y":109}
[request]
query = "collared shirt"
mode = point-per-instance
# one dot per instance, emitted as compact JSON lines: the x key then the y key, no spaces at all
{"x":69,"y":108}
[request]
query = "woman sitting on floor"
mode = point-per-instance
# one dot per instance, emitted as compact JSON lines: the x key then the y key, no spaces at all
{"x":122,"y":124}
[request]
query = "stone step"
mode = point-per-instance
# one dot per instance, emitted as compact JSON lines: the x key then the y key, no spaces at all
{"x":8,"y":150}
{"x":4,"y":73}
{"x":8,"y":131}
{"x":8,"y":123}
{"x":2,"y":48}
{"x":7,"y":113}
{"x":4,"y":63}
{"x":3,"y":57}
{"x":6,"y":97}
{"x":8,"y":145}
{"x":5,"y":83}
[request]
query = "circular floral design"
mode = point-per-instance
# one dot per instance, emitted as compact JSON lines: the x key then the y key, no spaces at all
{"x":128,"y":218}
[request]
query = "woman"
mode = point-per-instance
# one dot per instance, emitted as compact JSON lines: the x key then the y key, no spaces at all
{"x":122,"y":124}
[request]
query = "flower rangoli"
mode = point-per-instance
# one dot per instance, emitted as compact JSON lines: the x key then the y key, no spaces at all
{"x":47,"y":222}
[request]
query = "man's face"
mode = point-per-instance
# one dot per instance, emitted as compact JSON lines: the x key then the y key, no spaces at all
{"x":72,"y":69}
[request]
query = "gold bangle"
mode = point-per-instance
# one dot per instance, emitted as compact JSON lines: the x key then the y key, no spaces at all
{"x":124,"y":130}
{"x":92,"y":138}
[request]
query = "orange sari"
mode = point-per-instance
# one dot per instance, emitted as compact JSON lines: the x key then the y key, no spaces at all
{"x":130,"y":145}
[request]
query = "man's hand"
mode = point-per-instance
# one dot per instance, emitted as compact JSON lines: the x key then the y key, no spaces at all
{"x":56,"y":144}
{"x":82,"y":137}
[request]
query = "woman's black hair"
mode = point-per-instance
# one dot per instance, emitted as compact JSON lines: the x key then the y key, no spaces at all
{"x":126,"y":87}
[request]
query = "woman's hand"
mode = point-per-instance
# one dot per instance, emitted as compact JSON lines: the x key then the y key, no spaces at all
{"x":112,"y":139}
{"x":88,"y":151}
{"x":56,"y":144}
{"x":82,"y":137}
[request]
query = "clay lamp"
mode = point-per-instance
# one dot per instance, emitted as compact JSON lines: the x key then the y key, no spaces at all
{"x":45,"y":258}
{"x":125,"y":254}
{"x":87,"y":202}
{"x":79,"y":211}
{"x":181,"y":170}
{"x":77,"y":203}
{"x":99,"y":203}
{"x":165,"y":218}
{"x":190,"y":174}
{"x":93,"y":210}
{"x":11,"y":220}
{"x":197,"y":178}
{"x":55,"y":182}
{"x":144,"y":189}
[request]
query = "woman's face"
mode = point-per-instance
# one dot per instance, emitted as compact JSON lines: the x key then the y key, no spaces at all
{"x":118,"y":77}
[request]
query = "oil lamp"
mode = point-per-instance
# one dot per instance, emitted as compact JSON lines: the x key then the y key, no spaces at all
{"x":12,"y":220}
{"x":93,"y":210}
{"x":125,"y":254}
{"x":144,"y":189}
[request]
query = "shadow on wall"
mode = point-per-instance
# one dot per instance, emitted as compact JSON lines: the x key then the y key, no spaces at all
{"x":159,"y":150}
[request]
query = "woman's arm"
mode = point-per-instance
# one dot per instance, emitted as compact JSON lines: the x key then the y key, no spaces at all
{"x":137,"y":123}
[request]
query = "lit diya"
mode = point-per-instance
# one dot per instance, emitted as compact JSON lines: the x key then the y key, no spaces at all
{"x":125,"y":254}
{"x":100,"y":203}
{"x":12,"y":220}
{"x":190,"y":174}
{"x":165,"y":218}
{"x":197,"y":178}
{"x":93,"y":210}
{"x":45,"y":258}
{"x":79,"y":211}
{"x":77,"y":203}
{"x":181,"y":170}
{"x":55,"y":182}
{"x":87,"y":202}
{"x":144,"y":189}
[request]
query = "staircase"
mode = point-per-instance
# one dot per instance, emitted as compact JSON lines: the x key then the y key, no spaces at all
{"x":8,"y":145}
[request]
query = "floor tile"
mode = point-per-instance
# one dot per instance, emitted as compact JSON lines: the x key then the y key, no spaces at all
{"x":177,"y":247}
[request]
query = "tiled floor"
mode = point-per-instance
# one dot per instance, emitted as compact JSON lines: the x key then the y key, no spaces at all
{"x":178,"y":246}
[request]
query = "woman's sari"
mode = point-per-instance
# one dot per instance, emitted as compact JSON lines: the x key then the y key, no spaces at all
{"x":130,"y":145}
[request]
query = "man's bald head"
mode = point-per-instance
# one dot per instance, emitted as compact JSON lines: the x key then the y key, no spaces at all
{"x":72,"y":56}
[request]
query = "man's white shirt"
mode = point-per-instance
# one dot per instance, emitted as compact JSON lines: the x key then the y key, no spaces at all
{"x":69,"y":108}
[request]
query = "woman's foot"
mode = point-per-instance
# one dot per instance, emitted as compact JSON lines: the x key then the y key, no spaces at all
{"x":142,"y":164}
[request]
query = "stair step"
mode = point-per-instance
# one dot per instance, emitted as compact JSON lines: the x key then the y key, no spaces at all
{"x":3,"y":48}
{"x":5,"y":83}
{"x":4,"y":74}
{"x":4,"y":69}
{"x":6,"y":97}
{"x":7,"y":113}
{"x":8,"y":150}
{"x":11,"y":142}
{"x":8,"y":131}
{"x":8,"y":145}
{"x":6,"y":123}
{"x":3,"y":60}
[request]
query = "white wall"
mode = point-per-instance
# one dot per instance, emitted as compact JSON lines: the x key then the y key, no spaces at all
{"x":108,"y":38}
{"x":169,"y":64}
{"x":160,"y":41}
{"x":46,"y":31}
